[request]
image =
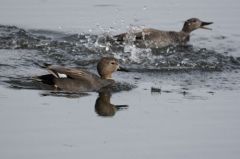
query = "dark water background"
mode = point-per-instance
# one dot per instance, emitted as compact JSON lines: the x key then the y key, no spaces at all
{"x":27,"y":49}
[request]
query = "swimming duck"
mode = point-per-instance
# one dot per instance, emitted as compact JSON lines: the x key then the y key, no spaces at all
{"x":154,"y":38}
{"x":80,"y":80}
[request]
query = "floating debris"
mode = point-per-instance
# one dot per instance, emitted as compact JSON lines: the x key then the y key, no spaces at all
{"x":155,"y":90}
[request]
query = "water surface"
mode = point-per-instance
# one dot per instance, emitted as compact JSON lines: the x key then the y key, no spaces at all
{"x":176,"y":102}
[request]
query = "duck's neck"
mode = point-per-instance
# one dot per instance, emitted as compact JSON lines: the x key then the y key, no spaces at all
{"x":106,"y":76}
{"x":183,"y":37}
{"x":106,"y":81}
{"x":186,"y":29}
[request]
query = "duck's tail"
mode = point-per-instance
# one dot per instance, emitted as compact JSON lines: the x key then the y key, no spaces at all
{"x":46,"y":79}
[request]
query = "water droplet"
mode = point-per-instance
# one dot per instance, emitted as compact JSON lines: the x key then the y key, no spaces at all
{"x":107,"y":48}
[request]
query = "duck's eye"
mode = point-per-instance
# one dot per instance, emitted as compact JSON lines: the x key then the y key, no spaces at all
{"x":113,"y":63}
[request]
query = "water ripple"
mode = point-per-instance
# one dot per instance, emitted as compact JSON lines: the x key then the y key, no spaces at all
{"x":24,"y":48}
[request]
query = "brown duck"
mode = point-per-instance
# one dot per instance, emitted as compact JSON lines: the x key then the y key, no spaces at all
{"x":153,"y":38}
{"x":80,"y":80}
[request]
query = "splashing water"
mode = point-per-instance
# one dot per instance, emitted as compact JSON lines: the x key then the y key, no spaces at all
{"x":22,"y":49}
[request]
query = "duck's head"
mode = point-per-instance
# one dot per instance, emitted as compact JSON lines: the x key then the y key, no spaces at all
{"x":193,"y":24}
{"x":108,"y":65}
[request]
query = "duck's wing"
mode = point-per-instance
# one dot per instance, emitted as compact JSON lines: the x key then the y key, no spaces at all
{"x":145,"y":34}
{"x":151,"y":34}
{"x":122,"y":37}
{"x":74,"y":73}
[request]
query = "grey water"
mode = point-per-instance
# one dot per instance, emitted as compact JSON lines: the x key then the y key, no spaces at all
{"x":176,"y":102}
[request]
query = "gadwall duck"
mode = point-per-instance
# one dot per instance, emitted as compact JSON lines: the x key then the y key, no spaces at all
{"x":80,"y":80}
{"x":154,"y":38}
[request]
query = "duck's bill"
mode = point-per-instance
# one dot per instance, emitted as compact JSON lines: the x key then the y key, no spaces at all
{"x":122,"y":69}
{"x":203,"y":25}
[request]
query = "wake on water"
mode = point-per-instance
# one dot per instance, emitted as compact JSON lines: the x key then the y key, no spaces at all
{"x":32,"y":47}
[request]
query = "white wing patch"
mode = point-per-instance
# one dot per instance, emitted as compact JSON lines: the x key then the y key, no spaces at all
{"x":67,"y":72}
{"x":61,"y":75}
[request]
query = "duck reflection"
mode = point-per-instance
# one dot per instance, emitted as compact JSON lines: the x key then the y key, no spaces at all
{"x":104,"y":107}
